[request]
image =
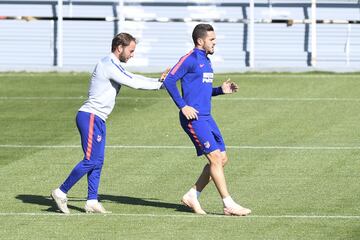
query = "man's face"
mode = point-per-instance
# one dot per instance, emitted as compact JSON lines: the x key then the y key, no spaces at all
{"x":209,"y":42}
{"x":127,"y":52}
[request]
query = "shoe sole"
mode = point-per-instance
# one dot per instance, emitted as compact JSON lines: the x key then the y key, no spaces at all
{"x":230,"y":213}
{"x":87,"y":210}
{"x":186,"y":203}
{"x":93,"y":212}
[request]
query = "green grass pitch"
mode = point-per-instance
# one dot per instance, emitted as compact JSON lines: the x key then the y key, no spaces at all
{"x":293,"y":144}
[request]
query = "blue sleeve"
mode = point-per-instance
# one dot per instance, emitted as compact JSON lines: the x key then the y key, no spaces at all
{"x":176,"y":73}
{"x":217,"y":91}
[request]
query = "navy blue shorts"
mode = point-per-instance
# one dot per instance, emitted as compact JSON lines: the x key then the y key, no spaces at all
{"x":204,"y":134}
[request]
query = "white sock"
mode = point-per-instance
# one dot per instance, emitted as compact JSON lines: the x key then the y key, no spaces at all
{"x":92,"y":201}
{"x":60,"y":193}
{"x":228,"y":201}
{"x":193,"y":193}
{"x":198,"y":194}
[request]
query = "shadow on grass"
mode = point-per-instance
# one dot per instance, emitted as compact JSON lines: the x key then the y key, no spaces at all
{"x":149,"y":202}
{"x":44,"y":201}
{"x":47,"y":201}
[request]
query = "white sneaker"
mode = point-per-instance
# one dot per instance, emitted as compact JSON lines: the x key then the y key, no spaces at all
{"x":61,"y":202}
{"x":95,"y":208}
{"x":192,"y":203}
{"x":236,"y":210}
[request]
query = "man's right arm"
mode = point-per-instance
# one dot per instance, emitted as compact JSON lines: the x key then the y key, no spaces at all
{"x":170,"y":85}
{"x":120,"y":75}
{"x":176,"y":73}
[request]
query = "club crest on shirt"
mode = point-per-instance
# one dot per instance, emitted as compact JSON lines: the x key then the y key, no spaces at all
{"x":208,"y":77}
{"x":98,"y":139}
{"x":207,"y":144}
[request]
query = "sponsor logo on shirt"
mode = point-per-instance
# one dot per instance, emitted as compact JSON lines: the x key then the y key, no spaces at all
{"x":98,"y":139}
{"x":208,"y":77}
{"x":207,"y":144}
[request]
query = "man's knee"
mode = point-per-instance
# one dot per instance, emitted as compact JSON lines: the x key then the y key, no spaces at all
{"x":224,"y":160}
{"x":217,"y":158}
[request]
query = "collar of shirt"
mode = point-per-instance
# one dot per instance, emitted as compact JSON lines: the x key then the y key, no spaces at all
{"x":200,"y":51}
{"x":113,"y":57}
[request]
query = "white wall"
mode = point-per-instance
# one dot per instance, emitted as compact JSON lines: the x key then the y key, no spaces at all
{"x":31,"y":45}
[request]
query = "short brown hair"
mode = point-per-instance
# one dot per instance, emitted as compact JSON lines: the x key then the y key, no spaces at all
{"x":200,"y":31}
{"x":123,"y":39}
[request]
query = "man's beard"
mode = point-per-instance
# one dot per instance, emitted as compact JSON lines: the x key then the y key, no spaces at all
{"x":122,"y":57}
{"x":210,"y":51}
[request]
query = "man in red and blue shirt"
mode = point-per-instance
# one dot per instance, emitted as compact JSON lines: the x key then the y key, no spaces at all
{"x":196,"y":75}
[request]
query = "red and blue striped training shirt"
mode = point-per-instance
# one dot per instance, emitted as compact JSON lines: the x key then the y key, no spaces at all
{"x":196,"y":75}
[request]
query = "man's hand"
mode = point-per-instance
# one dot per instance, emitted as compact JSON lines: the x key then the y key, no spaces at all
{"x":189,"y":112}
{"x":229,"y":87}
{"x":164,"y":74}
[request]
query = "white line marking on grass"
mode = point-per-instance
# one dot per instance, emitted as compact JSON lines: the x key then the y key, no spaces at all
{"x":189,"y":147}
{"x":182,"y":215}
{"x":279,"y":99}
{"x":294,"y":75}
{"x":240,"y":74}
{"x":285,"y":99}
{"x":41,"y":98}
